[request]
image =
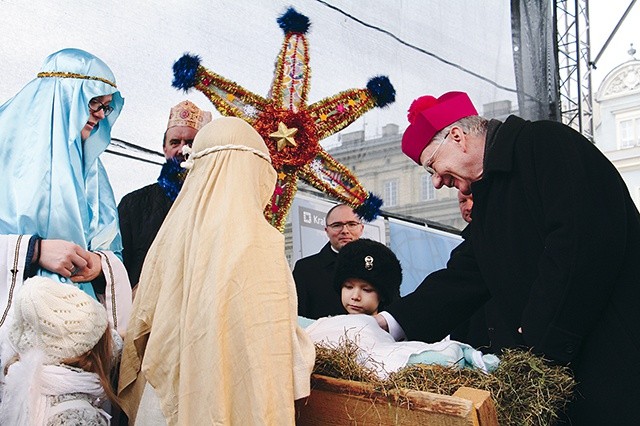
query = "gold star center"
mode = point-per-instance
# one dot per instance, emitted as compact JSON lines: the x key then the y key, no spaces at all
{"x":284,"y":136}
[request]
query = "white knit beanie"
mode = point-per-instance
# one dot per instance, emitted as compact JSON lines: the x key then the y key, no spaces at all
{"x":60,"y":319}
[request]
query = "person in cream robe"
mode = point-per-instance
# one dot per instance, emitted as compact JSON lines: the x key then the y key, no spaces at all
{"x":213,"y":338}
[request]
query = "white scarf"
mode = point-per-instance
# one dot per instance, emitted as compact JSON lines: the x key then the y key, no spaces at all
{"x":28,"y":383}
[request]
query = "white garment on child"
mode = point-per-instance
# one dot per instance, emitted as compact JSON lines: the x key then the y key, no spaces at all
{"x":382,"y":354}
{"x":34,"y":393}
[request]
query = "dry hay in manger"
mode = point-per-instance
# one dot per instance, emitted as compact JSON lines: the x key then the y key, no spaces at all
{"x":526,"y":389}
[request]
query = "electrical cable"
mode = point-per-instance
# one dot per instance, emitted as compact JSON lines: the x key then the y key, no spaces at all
{"x":421,"y":50}
{"x":128,"y":146}
{"x":122,"y":154}
{"x":613,"y":33}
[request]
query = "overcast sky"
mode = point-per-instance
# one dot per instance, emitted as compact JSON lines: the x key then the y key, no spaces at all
{"x":240,"y":39}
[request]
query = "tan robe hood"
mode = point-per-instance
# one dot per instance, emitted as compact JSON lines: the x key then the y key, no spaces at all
{"x":214,"y":323}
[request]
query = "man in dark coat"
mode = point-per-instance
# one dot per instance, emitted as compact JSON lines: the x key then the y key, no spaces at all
{"x":142,"y":212}
{"x":474,"y":331}
{"x":314,"y":274}
{"x":554,"y":245}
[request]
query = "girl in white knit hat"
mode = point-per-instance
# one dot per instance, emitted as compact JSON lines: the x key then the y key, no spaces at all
{"x":59,"y":348}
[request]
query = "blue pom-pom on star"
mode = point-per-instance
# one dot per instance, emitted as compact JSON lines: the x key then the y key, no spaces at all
{"x":184,"y":72}
{"x":293,"y":22}
{"x":171,"y":178}
{"x":370,"y":209}
{"x":382,"y":90}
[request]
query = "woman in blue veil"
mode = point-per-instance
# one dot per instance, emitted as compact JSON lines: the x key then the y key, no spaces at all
{"x":58,"y":216}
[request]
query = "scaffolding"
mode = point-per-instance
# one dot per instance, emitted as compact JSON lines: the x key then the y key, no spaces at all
{"x":574,"y":65}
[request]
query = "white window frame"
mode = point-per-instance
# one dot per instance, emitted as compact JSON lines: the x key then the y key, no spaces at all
{"x":633,"y":119}
{"x":391,"y":192}
{"x":427,"y":190}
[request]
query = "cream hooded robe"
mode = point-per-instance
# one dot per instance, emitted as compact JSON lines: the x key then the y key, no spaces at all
{"x":214,"y":324}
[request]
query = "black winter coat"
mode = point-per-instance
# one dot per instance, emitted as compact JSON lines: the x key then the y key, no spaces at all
{"x":314,"y":284}
{"x":141,"y":214}
{"x":555,"y":245}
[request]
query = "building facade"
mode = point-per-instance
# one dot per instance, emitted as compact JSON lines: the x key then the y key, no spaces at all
{"x":406,"y":189}
{"x":617,"y":122}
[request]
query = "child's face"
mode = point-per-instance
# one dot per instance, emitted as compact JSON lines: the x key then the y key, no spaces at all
{"x":359,"y":297}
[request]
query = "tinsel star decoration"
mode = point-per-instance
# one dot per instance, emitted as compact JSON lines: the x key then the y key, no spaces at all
{"x":291,"y":129}
{"x":284,"y":136}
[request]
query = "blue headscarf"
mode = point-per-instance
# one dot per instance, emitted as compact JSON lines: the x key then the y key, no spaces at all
{"x":54,"y":185}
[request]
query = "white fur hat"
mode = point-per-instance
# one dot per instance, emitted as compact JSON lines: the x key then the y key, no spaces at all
{"x":60,"y":319}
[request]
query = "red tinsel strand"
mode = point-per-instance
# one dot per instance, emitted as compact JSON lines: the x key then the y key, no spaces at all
{"x":307,"y":143}
{"x":285,"y":204}
{"x":282,"y":202}
{"x":292,"y":89}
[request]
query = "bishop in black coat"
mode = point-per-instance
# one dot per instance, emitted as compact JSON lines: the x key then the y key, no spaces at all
{"x":555,"y":246}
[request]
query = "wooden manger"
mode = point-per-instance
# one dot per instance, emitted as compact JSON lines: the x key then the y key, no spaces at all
{"x":345,"y":402}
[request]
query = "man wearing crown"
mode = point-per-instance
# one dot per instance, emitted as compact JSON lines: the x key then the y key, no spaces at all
{"x":142,"y":211}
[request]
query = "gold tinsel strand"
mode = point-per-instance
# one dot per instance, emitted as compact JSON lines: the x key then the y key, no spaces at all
{"x":278,"y":83}
{"x":62,"y":74}
{"x":207,"y":82}
{"x":355,"y":190}
{"x":336,"y":120}
{"x":278,"y":218}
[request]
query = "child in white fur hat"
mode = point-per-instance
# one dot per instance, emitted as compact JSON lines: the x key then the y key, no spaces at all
{"x":62,"y":347}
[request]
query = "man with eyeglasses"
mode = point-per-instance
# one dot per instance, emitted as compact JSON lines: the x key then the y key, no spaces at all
{"x":142,"y":211}
{"x":314,"y":274}
{"x":554,"y":246}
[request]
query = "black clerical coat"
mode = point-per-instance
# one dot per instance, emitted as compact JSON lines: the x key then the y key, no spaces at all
{"x":555,"y":244}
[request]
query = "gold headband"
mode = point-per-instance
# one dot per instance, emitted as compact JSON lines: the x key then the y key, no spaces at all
{"x":74,"y":75}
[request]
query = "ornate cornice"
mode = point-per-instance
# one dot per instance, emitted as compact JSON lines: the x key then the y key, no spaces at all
{"x":624,"y":80}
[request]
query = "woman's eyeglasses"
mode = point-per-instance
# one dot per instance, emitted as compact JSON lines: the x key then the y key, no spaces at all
{"x":96,"y":106}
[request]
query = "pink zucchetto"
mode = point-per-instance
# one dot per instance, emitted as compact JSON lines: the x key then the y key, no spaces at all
{"x":429,"y":115}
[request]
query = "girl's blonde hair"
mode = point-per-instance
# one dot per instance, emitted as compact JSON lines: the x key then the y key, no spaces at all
{"x":98,"y":360}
